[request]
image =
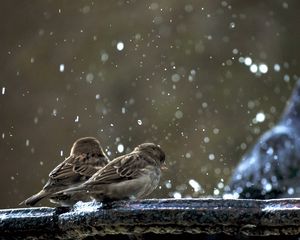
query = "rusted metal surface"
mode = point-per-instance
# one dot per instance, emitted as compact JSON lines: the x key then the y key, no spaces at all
{"x":155,"y":216}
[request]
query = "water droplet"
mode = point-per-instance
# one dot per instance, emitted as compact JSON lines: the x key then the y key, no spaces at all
{"x":276,"y":67}
{"x":211,"y":156}
{"x":216,"y":130}
{"x":260,"y":117}
{"x":285,"y":5}
{"x":204,"y":105}
{"x":195,"y":185}
{"x":286,"y":78}
{"x":154,"y":6}
{"x":89,"y":77}
{"x":175,"y":77}
{"x":291,"y":191}
{"x":104,"y":57}
{"x":177,"y":195}
{"x":270,"y":151}
{"x":268,"y":187}
{"x":120,"y":46}
{"x":178,"y":114}
{"x":224,"y":3}
{"x":232,"y":25}
{"x":188,"y":8}
{"x":120,"y":148}
{"x":168,"y":184}
{"x":263,"y":68}
{"x":216,"y":191}
{"x":220,"y":185}
{"x":86,"y":9}
{"x":253,"y":68}
{"x":248,"y":61}
{"x":235,"y":51}
{"x":62,"y":67}
{"x":243,"y":146}
{"x":54,"y":112}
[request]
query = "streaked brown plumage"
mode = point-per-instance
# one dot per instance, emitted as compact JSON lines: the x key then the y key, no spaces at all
{"x":133,"y":175}
{"x":86,"y":158}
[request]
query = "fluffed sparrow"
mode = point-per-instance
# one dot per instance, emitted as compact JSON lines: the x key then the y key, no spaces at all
{"x":86,"y":158}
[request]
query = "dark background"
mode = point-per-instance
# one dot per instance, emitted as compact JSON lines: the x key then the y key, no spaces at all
{"x":179,"y":81}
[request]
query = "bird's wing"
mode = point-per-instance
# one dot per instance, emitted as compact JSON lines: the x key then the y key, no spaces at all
{"x":122,"y":168}
{"x":89,"y":165}
{"x":73,"y":166}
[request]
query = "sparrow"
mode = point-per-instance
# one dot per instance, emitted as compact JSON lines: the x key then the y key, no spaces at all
{"x":86,"y":158}
{"x":133,"y":175}
{"x":271,"y":168}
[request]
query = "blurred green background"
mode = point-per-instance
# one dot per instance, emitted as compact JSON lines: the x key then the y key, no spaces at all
{"x":201,"y":78}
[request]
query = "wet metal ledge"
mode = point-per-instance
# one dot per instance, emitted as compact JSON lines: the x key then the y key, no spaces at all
{"x":156,"y":216}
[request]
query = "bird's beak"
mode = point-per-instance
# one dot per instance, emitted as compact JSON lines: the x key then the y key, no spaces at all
{"x":164,"y":167}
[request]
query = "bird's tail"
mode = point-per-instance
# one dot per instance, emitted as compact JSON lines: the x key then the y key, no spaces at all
{"x":35,"y":198}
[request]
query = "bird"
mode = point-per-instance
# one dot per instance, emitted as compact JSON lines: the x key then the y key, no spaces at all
{"x":86,"y":158}
{"x":271,"y":168}
{"x":131,"y":176}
